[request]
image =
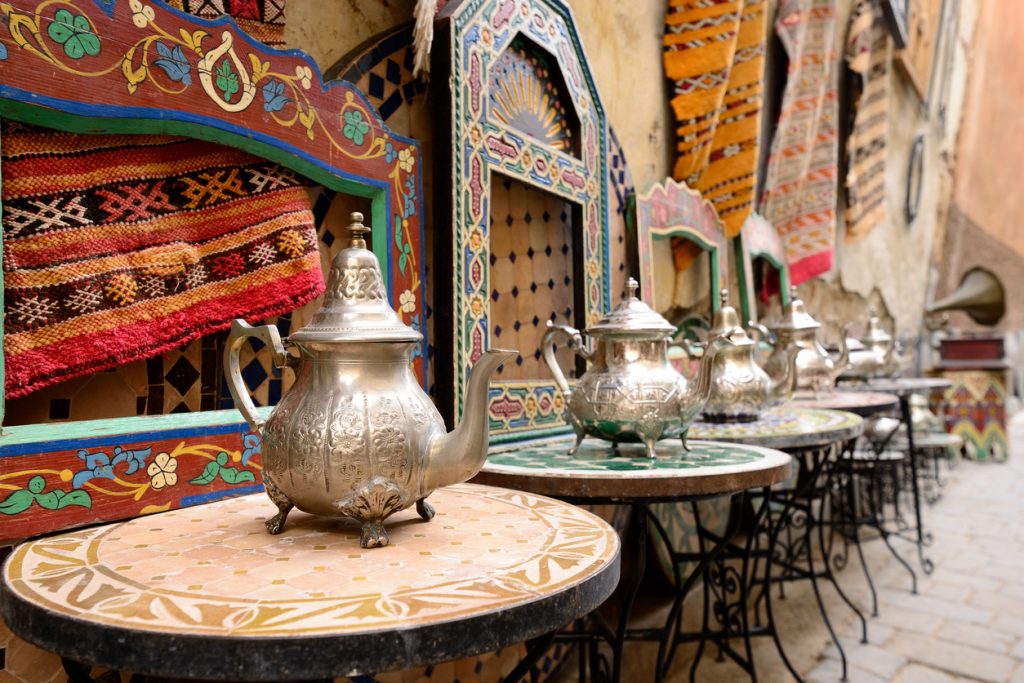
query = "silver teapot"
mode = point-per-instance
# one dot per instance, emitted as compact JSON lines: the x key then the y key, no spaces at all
{"x":816,"y":369}
{"x":740,"y":389}
{"x":631,"y":393}
{"x":356,"y":436}
{"x":874,"y":354}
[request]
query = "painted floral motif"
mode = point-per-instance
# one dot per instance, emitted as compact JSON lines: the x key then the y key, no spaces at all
{"x":355,"y":127}
{"x":161,"y":471}
{"x":142,"y":15}
{"x":229,"y":475}
{"x":75,"y":33}
{"x":174,"y":63}
{"x":407,"y":301}
{"x":22,"y":499}
{"x":406,"y":160}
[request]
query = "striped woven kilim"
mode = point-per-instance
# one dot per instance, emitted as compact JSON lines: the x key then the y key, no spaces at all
{"x":799,"y":196}
{"x":118,"y":248}
{"x":867,"y":55}
{"x":714,"y":54}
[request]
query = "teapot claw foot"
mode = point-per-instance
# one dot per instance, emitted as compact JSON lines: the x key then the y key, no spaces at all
{"x":275,"y":524}
{"x":425,"y":509}
{"x":576,"y":446}
{"x":374,"y":535}
{"x":649,"y":447}
{"x":686,"y":446}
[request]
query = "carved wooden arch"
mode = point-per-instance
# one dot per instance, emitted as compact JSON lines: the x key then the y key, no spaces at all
{"x":139,"y":66}
{"x":759,"y":239}
{"x":470,"y":38}
{"x":671,"y":209}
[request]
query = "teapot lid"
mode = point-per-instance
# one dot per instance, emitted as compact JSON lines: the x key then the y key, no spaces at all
{"x":726,"y":324}
{"x":355,"y":306}
{"x":795,"y":316}
{"x":875,"y":333}
{"x":632,"y":316}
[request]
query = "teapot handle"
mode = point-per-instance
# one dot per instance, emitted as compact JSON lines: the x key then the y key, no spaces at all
{"x":240,"y":332}
{"x":547,"y":345}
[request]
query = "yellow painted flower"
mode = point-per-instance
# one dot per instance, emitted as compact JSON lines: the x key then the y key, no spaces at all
{"x":477,"y":306}
{"x":161,"y":471}
{"x":406,"y":160}
{"x":141,"y":14}
{"x":305,"y":75}
{"x":407,"y":301}
{"x":476,"y":240}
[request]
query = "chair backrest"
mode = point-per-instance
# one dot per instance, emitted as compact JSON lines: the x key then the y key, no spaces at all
{"x":517,"y":106}
{"x":759,"y":239}
{"x":130,"y":66}
{"x":671,"y":209}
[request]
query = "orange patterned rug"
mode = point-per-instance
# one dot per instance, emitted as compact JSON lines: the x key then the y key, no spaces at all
{"x":799,"y":196}
{"x":714,"y":54}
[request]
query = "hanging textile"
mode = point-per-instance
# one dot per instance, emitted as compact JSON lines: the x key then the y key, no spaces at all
{"x":714,"y":54}
{"x":799,"y":196}
{"x":121,"y":247}
{"x":867,"y":55}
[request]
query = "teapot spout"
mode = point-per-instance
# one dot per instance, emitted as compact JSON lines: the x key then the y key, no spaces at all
{"x":700,"y":391}
{"x":843,"y":362}
{"x":458,"y":455}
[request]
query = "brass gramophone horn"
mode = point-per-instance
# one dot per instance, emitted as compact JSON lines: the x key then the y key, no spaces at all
{"x":980,"y":295}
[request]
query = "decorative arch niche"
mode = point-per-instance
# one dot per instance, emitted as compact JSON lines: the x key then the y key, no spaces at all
{"x":556,"y":143}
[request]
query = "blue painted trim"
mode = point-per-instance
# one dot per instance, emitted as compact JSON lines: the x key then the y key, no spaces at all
{"x":189,"y":501}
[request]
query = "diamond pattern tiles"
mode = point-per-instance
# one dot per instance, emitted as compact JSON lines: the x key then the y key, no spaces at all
{"x":531,"y":275}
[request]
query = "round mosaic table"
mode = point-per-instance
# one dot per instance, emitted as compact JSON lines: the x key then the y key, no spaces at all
{"x":863,"y":403}
{"x":597,"y":474}
{"x":785,"y":428}
{"x":205,"y":592}
{"x":901,"y":386}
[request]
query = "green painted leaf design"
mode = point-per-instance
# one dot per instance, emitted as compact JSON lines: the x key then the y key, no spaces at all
{"x":77,"y":497}
{"x":227,"y":80}
{"x":232,"y":475}
{"x":74,"y":33}
{"x":19,"y":501}
{"x":208,"y":475}
{"x":402,"y":261}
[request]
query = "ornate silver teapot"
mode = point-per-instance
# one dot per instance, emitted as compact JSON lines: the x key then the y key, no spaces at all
{"x":630,"y":393}
{"x":874,"y":354}
{"x":815,"y":368}
{"x":740,"y":389}
{"x":357,"y":436}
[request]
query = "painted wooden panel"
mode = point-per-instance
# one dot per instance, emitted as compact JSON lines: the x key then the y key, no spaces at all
{"x":554,"y":140}
{"x":671,"y":209}
{"x":142,"y":67}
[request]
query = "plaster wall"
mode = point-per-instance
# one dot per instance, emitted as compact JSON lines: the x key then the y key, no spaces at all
{"x":888,"y":270}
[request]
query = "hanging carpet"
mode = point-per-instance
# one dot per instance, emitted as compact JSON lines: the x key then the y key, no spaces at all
{"x":121,"y":247}
{"x":867,"y":55}
{"x":714,"y":54}
{"x":799,"y":196}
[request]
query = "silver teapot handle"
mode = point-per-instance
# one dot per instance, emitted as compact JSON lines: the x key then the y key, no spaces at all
{"x":547,"y":345}
{"x":240,"y":332}
{"x":766,"y":335}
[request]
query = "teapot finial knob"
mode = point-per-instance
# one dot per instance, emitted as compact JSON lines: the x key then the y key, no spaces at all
{"x":631,"y":287}
{"x":724,"y":296}
{"x":792,"y":292}
{"x":358,"y":231}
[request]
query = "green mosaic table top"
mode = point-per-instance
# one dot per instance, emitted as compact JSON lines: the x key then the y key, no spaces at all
{"x":784,"y":427}
{"x":598,"y":471}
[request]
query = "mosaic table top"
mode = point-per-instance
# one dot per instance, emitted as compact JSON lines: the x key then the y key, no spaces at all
{"x":206,"y":592}
{"x":901,"y":386}
{"x":784,"y":427}
{"x":597,"y":472}
{"x":863,"y":403}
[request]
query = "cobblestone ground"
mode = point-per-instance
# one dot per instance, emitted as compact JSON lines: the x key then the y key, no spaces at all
{"x":965,"y":624}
